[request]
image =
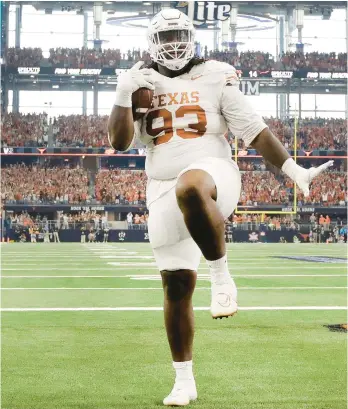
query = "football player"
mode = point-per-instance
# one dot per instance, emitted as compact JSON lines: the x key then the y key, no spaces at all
{"x":193,"y":184}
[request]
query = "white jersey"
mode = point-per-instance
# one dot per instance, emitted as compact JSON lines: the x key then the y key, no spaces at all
{"x":189,"y":117}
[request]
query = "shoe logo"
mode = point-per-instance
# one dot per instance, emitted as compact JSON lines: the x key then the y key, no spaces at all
{"x":195,"y":77}
{"x":224,"y":302}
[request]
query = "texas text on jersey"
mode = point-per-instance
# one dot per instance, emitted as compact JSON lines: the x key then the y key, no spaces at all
{"x":190,"y":115}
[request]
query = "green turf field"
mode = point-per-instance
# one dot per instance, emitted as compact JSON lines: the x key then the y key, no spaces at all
{"x":82,"y":328}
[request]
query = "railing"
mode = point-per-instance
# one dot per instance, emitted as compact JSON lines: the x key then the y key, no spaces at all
{"x":75,"y":224}
{"x":302,"y":227}
{"x":137,"y":226}
{"x":66,"y":202}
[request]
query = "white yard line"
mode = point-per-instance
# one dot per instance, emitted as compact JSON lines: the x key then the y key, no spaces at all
{"x":151,"y":265}
{"x":131,"y":257}
{"x":299,"y":308}
{"x":71,"y":253}
{"x":72,"y":263}
{"x":244,"y":259}
{"x":160,"y":288}
{"x":44,"y":256}
{"x":67,"y":263}
{"x":145,"y":277}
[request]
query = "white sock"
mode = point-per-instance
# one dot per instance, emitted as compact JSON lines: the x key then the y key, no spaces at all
{"x":183,"y":371}
{"x":219,"y":270}
{"x":220,"y":264}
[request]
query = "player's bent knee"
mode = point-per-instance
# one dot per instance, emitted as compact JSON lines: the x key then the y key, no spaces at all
{"x":178,"y":285}
{"x":194,"y":186}
{"x":188,"y":194}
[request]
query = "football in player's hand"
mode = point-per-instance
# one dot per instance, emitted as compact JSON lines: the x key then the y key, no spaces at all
{"x":141,"y":102}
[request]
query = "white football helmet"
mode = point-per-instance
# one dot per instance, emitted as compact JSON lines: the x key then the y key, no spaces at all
{"x":171,"y":39}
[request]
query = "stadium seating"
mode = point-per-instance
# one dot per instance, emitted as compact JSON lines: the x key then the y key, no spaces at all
{"x":23,"y":130}
{"x":89,"y":219}
{"x":80,"y":131}
{"x":35,"y":184}
{"x":23,"y":57}
{"x":245,"y":60}
{"x":91,"y":131}
{"x":262,"y":187}
{"x":120,"y":186}
{"x":253,"y":221}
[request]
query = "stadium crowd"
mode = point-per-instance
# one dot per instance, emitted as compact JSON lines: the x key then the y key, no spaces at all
{"x":24,"y":219}
{"x":253,"y":221}
{"x":263,"y":187}
{"x":312,"y":133}
{"x":80,"y":131}
{"x":261,"y":61}
{"x":137,"y":221}
{"x":328,"y":189}
{"x":91,"y":58}
{"x":120,"y":186}
{"x":244,"y":60}
{"x":91,"y":131}
{"x":35,"y":184}
{"x":89,"y":219}
{"x":24,"y":130}
{"x":23,"y":57}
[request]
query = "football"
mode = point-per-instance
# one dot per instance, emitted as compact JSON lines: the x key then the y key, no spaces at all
{"x":141,"y":102}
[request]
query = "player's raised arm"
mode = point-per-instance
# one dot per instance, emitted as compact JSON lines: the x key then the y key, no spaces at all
{"x":245,"y":123}
{"x":274,"y":152}
{"x":121,"y":123}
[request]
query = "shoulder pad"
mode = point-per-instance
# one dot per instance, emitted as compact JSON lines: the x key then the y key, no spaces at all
{"x":227,"y":71}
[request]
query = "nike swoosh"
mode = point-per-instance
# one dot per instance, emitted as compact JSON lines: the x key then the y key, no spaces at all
{"x":227,"y":302}
{"x":195,"y":77}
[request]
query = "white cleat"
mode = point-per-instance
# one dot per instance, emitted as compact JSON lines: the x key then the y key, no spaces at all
{"x":182,"y":394}
{"x":223,"y":299}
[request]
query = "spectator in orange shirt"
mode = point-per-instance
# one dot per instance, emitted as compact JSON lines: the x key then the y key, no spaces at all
{"x":327,"y":222}
{"x":277,"y":224}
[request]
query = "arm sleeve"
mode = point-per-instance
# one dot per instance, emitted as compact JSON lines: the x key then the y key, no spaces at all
{"x":241,"y":118}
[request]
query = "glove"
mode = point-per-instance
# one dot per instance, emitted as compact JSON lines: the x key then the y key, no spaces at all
{"x":303,"y":177}
{"x":130,"y":81}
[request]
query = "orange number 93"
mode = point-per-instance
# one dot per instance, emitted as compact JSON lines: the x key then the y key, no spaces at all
{"x":194,"y":130}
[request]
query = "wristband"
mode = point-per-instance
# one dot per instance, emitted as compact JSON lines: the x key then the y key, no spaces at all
{"x":292,"y":169}
{"x":123,"y":99}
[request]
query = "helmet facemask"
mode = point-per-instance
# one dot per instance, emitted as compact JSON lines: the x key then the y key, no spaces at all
{"x":172,"y":48}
